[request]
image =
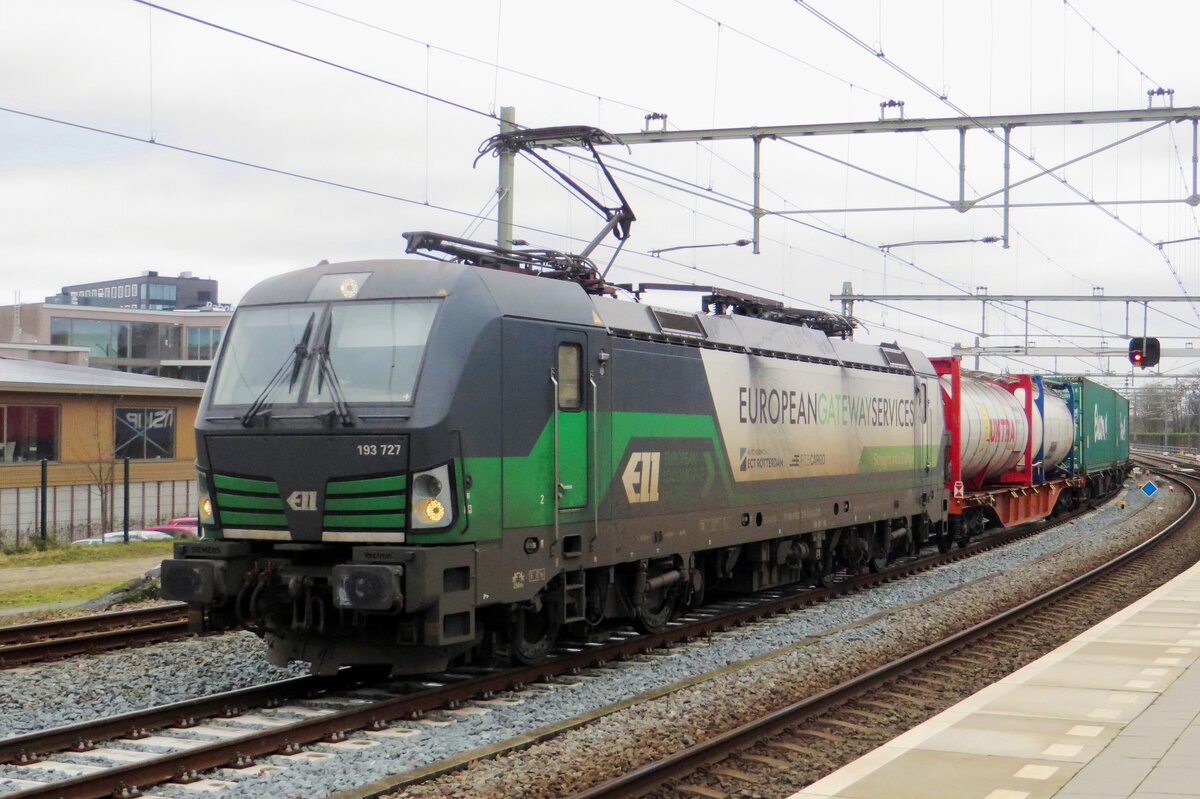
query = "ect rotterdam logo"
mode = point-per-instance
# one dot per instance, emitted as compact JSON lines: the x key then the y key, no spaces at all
{"x":751,"y":459}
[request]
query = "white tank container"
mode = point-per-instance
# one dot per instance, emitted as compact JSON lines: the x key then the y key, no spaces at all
{"x":1053,"y":431}
{"x":993,"y":428}
{"x":1059,"y":432}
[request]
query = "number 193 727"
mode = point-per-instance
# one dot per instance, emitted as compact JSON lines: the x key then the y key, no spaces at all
{"x":368,"y":450}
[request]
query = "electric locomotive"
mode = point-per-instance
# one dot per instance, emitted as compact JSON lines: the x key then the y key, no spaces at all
{"x":411,"y":462}
{"x":408,"y":463}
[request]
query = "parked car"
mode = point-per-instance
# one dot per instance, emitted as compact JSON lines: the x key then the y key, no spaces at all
{"x":183,"y":521}
{"x":142,"y":535}
{"x":174,"y":530}
{"x":117,"y":536}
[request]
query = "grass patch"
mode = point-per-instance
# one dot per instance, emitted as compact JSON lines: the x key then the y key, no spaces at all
{"x":48,"y":594}
{"x":58,"y":554}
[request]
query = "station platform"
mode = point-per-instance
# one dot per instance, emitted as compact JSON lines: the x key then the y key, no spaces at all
{"x":1112,"y":714}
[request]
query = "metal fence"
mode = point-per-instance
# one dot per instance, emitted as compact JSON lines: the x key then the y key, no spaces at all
{"x":1159,"y":448}
{"x":75,"y":511}
{"x":1166,"y":441}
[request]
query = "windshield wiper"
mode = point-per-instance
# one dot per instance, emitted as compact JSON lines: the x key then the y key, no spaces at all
{"x":294,"y":360}
{"x":325,"y":372}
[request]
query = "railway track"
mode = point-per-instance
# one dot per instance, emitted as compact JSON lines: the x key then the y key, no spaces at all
{"x":809,"y":737}
{"x":283,"y":717}
{"x":23,"y":644}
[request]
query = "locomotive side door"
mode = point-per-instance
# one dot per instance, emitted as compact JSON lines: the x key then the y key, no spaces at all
{"x":573,"y":398}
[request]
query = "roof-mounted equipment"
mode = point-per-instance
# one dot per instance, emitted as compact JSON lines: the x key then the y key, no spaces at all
{"x":720,"y":302}
{"x":546,"y":263}
{"x":618,"y":219}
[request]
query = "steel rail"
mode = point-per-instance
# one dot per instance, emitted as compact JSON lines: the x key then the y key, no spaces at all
{"x":22,"y":633}
{"x":36,"y":745}
{"x":31,"y":643}
{"x":652,"y":775}
{"x":125,"y":779}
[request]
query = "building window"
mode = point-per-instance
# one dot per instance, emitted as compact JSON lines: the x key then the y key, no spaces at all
{"x":203,"y":343}
{"x":145,"y":340}
{"x":104,"y":339}
{"x":144,"y":433}
{"x":30,"y":433}
{"x":159,"y":291}
{"x":60,"y":330}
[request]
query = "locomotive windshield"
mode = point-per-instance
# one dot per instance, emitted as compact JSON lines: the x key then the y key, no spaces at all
{"x":374,"y":348}
{"x":261,"y":341}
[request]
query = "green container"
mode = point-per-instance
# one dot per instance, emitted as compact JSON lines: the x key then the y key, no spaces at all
{"x":1101,"y":426}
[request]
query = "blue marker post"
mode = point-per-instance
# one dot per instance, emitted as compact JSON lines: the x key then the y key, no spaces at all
{"x":1149,"y":488}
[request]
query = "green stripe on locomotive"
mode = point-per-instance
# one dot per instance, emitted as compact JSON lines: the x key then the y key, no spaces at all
{"x":514,"y":491}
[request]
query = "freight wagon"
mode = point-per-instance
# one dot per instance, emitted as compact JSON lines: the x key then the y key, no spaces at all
{"x":1101,"y":443}
{"x":1023,"y":447}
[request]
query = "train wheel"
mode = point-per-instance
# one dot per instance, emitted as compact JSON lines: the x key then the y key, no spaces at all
{"x":658,"y":608}
{"x":531,"y":634}
{"x":880,"y":551}
{"x":697,"y":587}
{"x":972,"y":527}
{"x":949,"y":534}
{"x":823,"y":570}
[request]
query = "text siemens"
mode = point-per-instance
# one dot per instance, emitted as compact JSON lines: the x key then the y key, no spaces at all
{"x":782,"y":406}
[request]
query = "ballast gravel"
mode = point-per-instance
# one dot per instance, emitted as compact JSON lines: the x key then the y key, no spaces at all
{"x":96,"y":686}
{"x":823,"y":644}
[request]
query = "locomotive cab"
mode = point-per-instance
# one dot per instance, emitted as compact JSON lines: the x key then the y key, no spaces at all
{"x":333,"y":500}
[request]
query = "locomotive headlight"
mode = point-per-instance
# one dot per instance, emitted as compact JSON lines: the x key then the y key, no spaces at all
{"x":432,"y":499}
{"x":432,"y":510}
{"x":366,"y":587}
{"x":204,"y":506}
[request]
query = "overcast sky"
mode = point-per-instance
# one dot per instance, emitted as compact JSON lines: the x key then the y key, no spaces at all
{"x":79,"y":205}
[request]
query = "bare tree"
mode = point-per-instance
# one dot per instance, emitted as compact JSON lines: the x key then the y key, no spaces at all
{"x":100,"y":464}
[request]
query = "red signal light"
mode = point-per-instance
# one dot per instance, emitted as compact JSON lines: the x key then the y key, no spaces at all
{"x":1137,"y":358}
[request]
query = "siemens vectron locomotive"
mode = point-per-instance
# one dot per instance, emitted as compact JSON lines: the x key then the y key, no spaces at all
{"x":401,"y":462}
{"x":409,"y":462}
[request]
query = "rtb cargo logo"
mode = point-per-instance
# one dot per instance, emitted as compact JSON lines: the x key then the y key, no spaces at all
{"x":751,"y":459}
{"x":641,"y":477}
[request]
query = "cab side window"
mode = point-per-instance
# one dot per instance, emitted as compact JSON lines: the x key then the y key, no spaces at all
{"x":570,"y":377}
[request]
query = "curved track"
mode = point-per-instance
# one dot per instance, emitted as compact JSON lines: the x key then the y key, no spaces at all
{"x":879,"y":686}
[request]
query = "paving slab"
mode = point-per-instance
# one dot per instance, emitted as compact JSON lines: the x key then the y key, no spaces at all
{"x":1113,"y":714}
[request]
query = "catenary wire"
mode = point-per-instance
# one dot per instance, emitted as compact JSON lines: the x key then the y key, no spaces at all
{"x":881,"y":56}
{"x":317,"y":59}
{"x":428,"y":96}
{"x":390,"y":83}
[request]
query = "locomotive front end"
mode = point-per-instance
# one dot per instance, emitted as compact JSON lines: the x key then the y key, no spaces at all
{"x":333,"y":502}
